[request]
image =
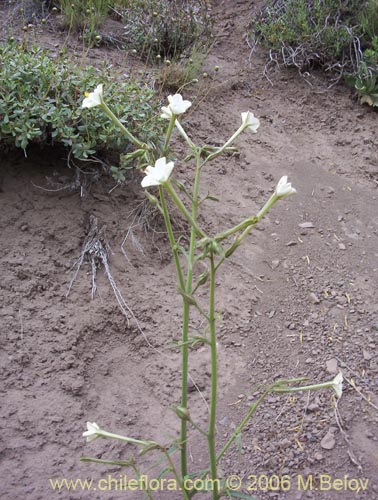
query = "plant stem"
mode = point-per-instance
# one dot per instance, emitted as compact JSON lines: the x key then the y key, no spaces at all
{"x":184,"y":134}
{"x":139,"y":476}
{"x":180,"y":480}
{"x":120,"y":125}
{"x":192,"y":221}
{"x":240,"y":427}
{"x":171,"y":237}
{"x":227,"y":144}
{"x":110,"y":435}
{"x":214,"y":380}
{"x":185,"y":321}
{"x":169,"y":133}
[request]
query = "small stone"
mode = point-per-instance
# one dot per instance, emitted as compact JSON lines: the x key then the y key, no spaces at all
{"x":342,"y":246}
{"x":367,"y":355}
{"x":275,"y":263}
{"x":313,"y":407}
{"x":328,"y":442}
{"x":314,"y":298}
{"x":291,"y":243}
{"x":330,"y":190}
{"x":318,"y":456}
{"x":285,"y":443}
{"x":307,"y":225}
{"x":332,"y":366}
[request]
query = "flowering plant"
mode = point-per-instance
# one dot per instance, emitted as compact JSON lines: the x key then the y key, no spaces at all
{"x":212,"y":251}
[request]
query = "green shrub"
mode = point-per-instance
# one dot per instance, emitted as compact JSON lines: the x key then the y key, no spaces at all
{"x":86,"y":15}
{"x":41,"y":103}
{"x":339,"y":36}
{"x":309,"y":33}
{"x":365,"y":79}
{"x":164,"y":27}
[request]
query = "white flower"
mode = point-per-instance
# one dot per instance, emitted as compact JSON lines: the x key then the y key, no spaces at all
{"x":284,"y":188}
{"x":250,"y":121}
{"x":177,"y":106}
{"x":166,"y":112}
{"x":92,"y":431}
{"x":158,"y":174}
{"x":94,"y":98}
{"x":337,"y":384}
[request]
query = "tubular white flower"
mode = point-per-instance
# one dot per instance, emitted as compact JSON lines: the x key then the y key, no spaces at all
{"x":284,"y":188}
{"x":177,"y":106}
{"x":166,"y":112}
{"x":94,"y":98}
{"x":158,"y":174}
{"x":92,"y":431}
{"x":337,"y":384}
{"x":250,"y":121}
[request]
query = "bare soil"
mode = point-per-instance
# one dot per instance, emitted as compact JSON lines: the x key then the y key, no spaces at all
{"x":298,"y":299}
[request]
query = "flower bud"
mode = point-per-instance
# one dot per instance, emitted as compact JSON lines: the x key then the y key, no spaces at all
{"x":182,"y":413}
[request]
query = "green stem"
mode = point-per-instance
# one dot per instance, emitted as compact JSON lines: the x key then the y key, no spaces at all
{"x":214,"y":379}
{"x":240,"y":427}
{"x":110,"y":435}
{"x":139,"y":476}
{"x":184,"y":134}
{"x":312,"y":387}
{"x":169,"y":133}
{"x":171,"y":237}
{"x":249,"y":224}
{"x":192,"y":221}
{"x":226,"y":144}
{"x":185,"y":321}
{"x":120,"y":125}
{"x":179,"y":479}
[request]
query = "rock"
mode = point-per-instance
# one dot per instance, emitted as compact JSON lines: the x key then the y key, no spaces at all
{"x":332,"y":366}
{"x":328,"y":442}
{"x":342,"y":246}
{"x":285,"y":443}
{"x":306,"y":225}
{"x":367,"y":355}
{"x":330,"y":190}
{"x":318,"y":456}
{"x":313,"y":407}
{"x":275,"y":263}
{"x":291,"y":243}
{"x":314,"y":298}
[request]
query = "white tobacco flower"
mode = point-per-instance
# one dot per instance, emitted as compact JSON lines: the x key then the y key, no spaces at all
{"x":157,"y":175}
{"x":92,"y":431}
{"x":250,"y":121}
{"x":284,"y":188}
{"x":166,"y":113}
{"x":94,"y":98}
{"x":177,"y":106}
{"x":337,"y":384}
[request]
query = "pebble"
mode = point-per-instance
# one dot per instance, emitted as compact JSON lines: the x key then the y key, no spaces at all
{"x":291,"y":243}
{"x":332,"y":366}
{"x":306,"y":225}
{"x":328,"y":442}
{"x":342,"y":246}
{"x":275,"y":263}
{"x":367,"y":355}
{"x":314,"y":298}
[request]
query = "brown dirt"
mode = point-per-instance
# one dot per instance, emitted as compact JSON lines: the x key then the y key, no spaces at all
{"x":291,"y":299}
